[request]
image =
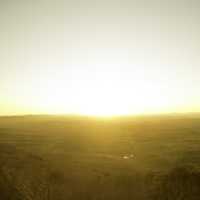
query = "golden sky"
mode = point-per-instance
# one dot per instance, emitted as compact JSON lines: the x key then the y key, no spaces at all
{"x":105,"y":57}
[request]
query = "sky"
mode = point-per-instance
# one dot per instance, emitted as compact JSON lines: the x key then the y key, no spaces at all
{"x":108,"y":57}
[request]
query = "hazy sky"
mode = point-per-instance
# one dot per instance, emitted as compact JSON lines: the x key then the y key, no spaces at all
{"x":99,"y":57}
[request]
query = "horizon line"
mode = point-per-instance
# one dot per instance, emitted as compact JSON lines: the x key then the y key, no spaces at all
{"x":102,"y":116}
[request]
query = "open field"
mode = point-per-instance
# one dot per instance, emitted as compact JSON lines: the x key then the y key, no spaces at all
{"x":80,"y":158}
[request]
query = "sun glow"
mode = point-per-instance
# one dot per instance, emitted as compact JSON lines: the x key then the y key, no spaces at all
{"x":105,"y":87}
{"x":98,"y":93}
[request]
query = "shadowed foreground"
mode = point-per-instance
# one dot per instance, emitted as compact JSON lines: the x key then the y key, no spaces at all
{"x":59,"y":158}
